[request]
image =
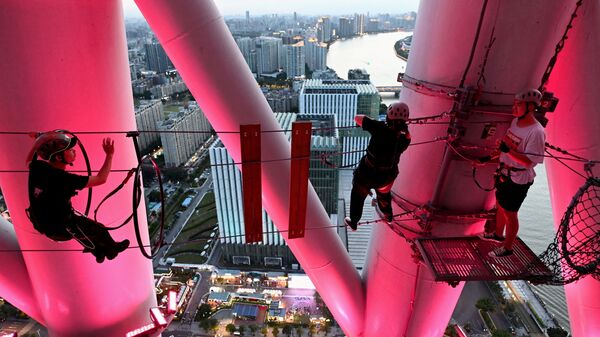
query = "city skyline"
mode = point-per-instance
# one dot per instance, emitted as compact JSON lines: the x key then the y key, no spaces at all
{"x":306,"y":7}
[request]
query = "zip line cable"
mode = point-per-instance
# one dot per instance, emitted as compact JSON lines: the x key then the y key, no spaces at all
{"x":418,"y":120}
{"x":437,"y":139}
{"x":200,"y":239}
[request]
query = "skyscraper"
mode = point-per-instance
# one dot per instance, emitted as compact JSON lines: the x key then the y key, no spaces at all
{"x":346,"y":27}
{"x":294,"y":65}
{"x":325,"y":143}
{"x":179,"y":146}
{"x":324,"y":29}
{"x":359,"y":24}
{"x":228,"y":198}
{"x":147,"y":114}
{"x":316,"y":55}
{"x":248,"y":48}
{"x":344,"y":99}
{"x":156,"y":58}
{"x":268,"y":52}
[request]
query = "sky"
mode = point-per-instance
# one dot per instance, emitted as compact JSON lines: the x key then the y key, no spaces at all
{"x":302,"y":7}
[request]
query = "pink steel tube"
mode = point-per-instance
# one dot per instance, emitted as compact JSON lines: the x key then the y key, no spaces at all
{"x":68,"y":69}
{"x":198,"y":42}
{"x":15,"y":286}
{"x":440,"y":52}
{"x":574,"y":127}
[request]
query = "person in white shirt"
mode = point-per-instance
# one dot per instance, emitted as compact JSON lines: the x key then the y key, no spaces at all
{"x":522,"y":148}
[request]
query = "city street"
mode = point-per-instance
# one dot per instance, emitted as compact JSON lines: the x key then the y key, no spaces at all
{"x":179,"y":224}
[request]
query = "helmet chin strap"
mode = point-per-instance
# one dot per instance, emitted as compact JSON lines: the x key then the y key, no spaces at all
{"x":527,"y":112}
{"x":523,"y":116}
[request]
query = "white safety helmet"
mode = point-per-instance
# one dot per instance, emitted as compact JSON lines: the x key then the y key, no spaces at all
{"x":397,"y":111}
{"x":530,"y":95}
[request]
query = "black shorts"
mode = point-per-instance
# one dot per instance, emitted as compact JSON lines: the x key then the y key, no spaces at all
{"x":510,"y":195}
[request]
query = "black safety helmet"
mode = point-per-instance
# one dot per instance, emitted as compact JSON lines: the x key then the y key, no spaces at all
{"x":48,"y":144}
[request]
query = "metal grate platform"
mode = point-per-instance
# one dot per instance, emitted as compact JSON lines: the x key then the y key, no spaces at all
{"x":466,"y":259}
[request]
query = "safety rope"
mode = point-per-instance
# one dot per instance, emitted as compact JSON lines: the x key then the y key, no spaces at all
{"x":138,"y":195}
{"x":559,"y":47}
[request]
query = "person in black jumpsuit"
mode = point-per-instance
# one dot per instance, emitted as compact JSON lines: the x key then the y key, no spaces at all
{"x":51,"y":189}
{"x":379,"y":167}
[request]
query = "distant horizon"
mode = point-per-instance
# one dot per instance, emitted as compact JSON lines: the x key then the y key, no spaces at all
{"x":233,"y":8}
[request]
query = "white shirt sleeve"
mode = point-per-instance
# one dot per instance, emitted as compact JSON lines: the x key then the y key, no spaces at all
{"x":536,"y":144}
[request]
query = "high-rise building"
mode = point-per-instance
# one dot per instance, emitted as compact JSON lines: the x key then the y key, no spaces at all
{"x":359,"y":24}
{"x":248,"y":48}
{"x":316,"y":55}
{"x":227,"y":182}
{"x":294,"y":65}
{"x":269,"y":54}
{"x":147,"y":114}
{"x":324,"y":29}
{"x":324,"y":144}
{"x":344,"y":99}
{"x":346,"y":27}
{"x":156,"y":58}
{"x":283,"y":100}
{"x":132,"y":71}
{"x":179,"y":146}
{"x":372,"y":26}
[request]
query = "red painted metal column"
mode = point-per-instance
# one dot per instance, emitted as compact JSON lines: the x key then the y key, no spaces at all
{"x":301,"y":137}
{"x":574,"y":127}
{"x":64,"y":65}
{"x":251,"y":181}
{"x":200,"y":45}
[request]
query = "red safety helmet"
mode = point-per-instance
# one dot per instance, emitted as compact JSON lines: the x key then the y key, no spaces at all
{"x":49,"y":144}
{"x":398,"y":111}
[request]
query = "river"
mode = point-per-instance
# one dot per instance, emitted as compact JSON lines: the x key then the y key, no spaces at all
{"x":375,"y":54}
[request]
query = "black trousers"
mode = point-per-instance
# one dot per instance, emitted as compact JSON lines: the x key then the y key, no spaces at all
{"x":367,"y":178}
{"x":89,"y":233}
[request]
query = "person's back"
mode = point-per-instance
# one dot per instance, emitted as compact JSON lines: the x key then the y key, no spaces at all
{"x":386,"y":144}
{"x":378,"y":168}
{"x":52,"y":190}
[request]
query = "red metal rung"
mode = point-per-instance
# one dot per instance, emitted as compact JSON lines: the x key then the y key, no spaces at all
{"x":251,"y":181}
{"x":301,"y":136}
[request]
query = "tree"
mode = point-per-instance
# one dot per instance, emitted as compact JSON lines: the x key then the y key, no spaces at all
{"x":253,"y":328}
{"x":325,"y":327}
{"x":299,"y":330}
{"x":312,"y":328}
{"x":556,"y":332}
{"x":230,"y":328}
{"x":264,"y":331}
{"x":485,"y":304}
{"x":204,"y":311}
{"x":287,"y":329}
{"x":450,"y":331}
{"x":209,"y":324}
{"x":275,"y":331}
{"x":241,"y":329}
